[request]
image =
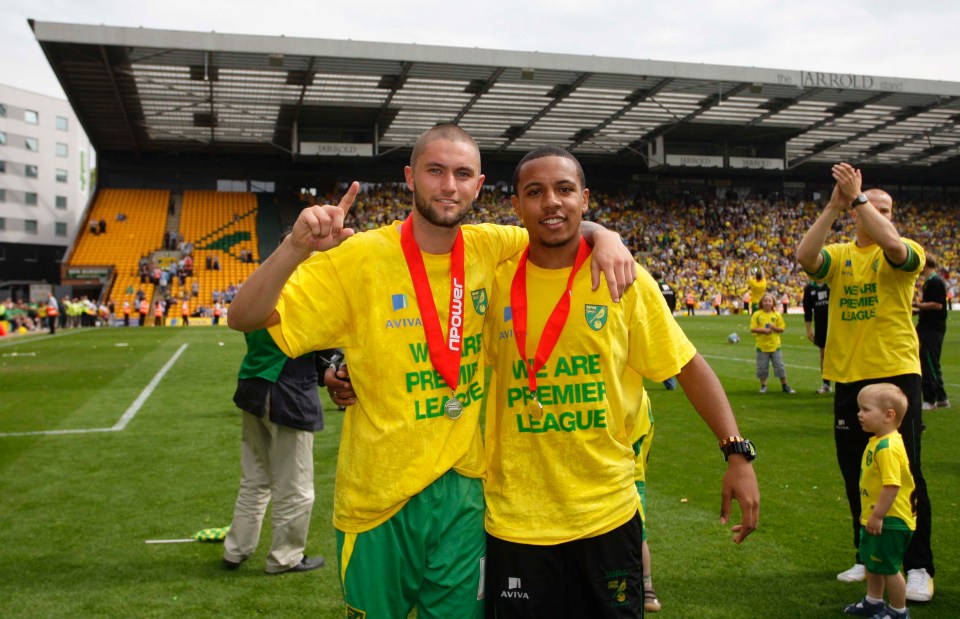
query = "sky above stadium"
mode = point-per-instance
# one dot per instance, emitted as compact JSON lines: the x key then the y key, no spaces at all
{"x":887,"y":38}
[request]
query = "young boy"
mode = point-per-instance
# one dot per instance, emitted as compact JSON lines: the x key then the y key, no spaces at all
{"x":887,"y":516}
{"x":767,"y":324}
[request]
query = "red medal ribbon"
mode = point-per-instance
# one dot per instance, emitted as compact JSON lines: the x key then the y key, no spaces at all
{"x":558,"y":318}
{"x":445,"y":355}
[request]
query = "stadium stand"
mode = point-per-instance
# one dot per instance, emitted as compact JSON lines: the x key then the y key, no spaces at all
{"x":124,"y":242}
{"x":221,"y":226}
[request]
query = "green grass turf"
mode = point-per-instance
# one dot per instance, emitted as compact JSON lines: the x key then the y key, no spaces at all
{"x":76,"y":508}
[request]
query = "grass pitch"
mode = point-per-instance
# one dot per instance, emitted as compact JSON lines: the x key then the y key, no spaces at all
{"x":76,"y":506}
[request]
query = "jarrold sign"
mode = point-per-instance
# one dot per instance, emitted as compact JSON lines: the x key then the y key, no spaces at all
{"x":336,"y":149}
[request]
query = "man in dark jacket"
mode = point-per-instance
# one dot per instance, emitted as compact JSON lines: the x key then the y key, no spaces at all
{"x":816,"y":301}
{"x":281,"y":404}
{"x":670,"y":296}
{"x":931,"y":327}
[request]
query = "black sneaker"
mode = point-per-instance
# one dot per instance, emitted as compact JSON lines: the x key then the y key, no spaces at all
{"x":863,"y":608}
{"x":307,"y":564}
{"x":230,"y":565}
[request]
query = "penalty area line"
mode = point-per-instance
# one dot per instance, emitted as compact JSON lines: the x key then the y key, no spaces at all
{"x":127,"y":416}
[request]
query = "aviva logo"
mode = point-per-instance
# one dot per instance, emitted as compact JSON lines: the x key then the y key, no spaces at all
{"x":514,"y":589}
{"x":596,"y":316}
{"x":399,"y":302}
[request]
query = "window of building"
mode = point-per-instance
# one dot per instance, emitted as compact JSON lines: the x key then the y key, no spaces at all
{"x":3,"y":223}
{"x":3,"y":138}
{"x":30,"y":117}
{"x":30,"y":198}
{"x":30,"y":171}
{"x":30,"y":226}
{"x":61,"y":149}
{"x":3,"y":195}
{"x":62,"y":123}
{"x":61,"y":176}
{"x":60,"y":228}
{"x":3,"y":166}
{"x":31,"y":144}
{"x":61,"y":201}
{"x":3,"y":110}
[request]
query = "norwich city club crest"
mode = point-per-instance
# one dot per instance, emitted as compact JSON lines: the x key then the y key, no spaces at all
{"x":596,"y":316}
{"x":479,"y":300}
{"x":355,"y":613}
{"x":618,"y":588}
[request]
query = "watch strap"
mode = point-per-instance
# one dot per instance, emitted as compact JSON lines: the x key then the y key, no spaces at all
{"x":738,"y":445}
{"x":860,"y":199}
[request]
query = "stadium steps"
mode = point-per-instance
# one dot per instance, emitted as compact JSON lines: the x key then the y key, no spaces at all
{"x":125,"y":241}
{"x":220,"y":224}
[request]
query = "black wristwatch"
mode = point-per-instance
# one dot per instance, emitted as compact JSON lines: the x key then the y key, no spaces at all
{"x":860,"y":199}
{"x":738,"y":445}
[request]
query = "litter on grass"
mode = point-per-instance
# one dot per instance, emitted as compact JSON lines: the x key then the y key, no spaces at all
{"x":215,"y":534}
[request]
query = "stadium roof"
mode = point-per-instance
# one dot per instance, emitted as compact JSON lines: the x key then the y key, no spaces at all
{"x":141,"y":90}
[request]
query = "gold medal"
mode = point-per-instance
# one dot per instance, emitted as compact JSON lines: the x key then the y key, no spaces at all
{"x":551,"y":331}
{"x":535,"y":408}
{"x":453,"y":408}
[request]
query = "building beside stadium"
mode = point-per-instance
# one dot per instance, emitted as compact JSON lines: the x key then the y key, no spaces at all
{"x":45,"y":163}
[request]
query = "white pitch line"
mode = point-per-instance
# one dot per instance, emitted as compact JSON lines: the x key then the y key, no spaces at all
{"x":126,"y":417}
{"x":135,"y":407}
{"x":31,"y":338}
{"x":754,"y":361}
{"x":789,"y":365}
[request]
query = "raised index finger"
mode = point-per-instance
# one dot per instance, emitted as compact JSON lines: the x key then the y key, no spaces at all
{"x":347,"y":200}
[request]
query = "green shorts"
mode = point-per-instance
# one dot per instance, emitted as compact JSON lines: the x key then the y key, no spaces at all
{"x":642,"y":491}
{"x":883,"y":554}
{"x":429,"y":555}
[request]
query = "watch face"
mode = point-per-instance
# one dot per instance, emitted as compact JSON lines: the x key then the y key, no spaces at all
{"x":744,"y":447}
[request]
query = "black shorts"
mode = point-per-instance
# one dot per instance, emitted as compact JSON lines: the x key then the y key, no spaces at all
{"x":598,"y":577}
{"x":820,"y":337}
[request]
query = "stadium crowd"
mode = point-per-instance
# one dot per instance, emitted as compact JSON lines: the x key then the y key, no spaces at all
{"x":706,"y":248}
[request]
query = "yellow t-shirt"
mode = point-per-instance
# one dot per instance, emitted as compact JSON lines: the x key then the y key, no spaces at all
{"x":641,"y":437}
{"x":870,"y":332}
{"x":570,"y":474}
{"x":885,"y":463}
{"x":758,"y":287}
{"x":396,"y":440}
{"x":767,"y":342}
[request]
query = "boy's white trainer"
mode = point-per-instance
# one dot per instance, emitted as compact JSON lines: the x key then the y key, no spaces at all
{"x":857,"y":573}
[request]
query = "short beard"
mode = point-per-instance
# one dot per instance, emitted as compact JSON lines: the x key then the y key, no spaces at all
{"x":562,"y":242}
{"x":431,"y":215}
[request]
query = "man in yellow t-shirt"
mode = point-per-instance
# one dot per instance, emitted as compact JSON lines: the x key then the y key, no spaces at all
{"x":870,"y":339}
{"x":564,"y":518}
{"x":408,"y":501}
{"x":758,"y":287}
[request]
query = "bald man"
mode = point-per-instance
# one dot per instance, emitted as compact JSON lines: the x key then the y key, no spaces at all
{"x":871,"y":339}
